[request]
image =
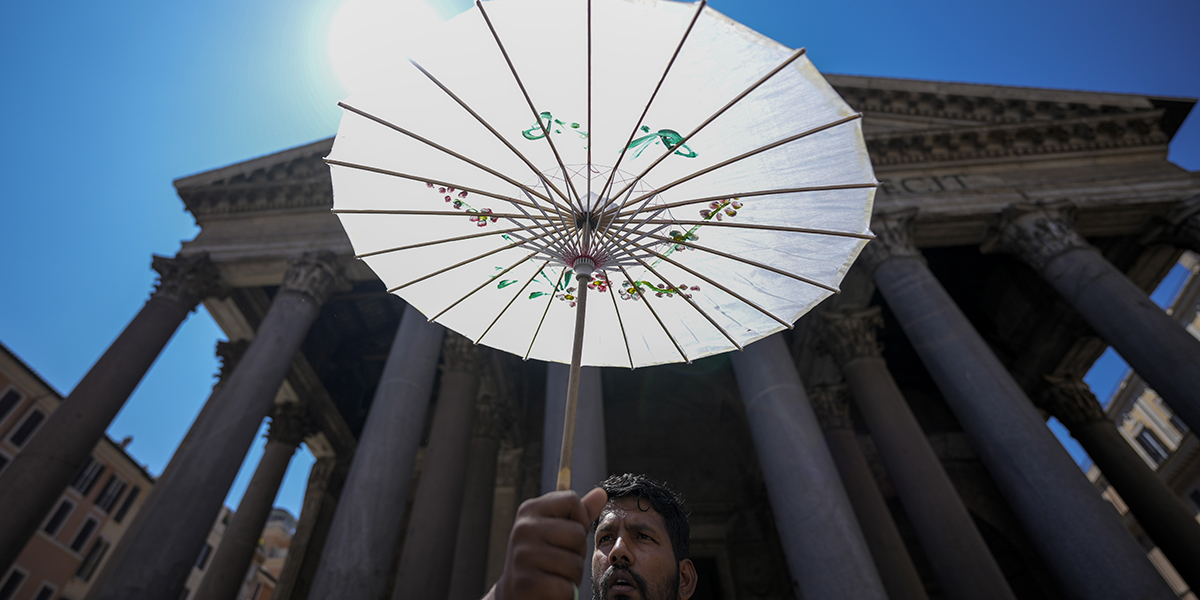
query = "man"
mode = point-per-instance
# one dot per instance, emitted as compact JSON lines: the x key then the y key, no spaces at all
{"x":642,"y":538}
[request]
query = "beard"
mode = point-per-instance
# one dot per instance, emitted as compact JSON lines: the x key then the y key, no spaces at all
{"x":669,"y":591}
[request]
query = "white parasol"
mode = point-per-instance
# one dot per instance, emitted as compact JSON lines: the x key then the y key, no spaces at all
{"x":650,"y":175}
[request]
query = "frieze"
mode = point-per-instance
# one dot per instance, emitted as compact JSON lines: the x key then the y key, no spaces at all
{"x":924,"y":184}
{"x":1035,"y":233}
{"x":848,"y":335}
{"x":893,"y":239}
{"x":314,"y":273}
{"x":186,"y":280}
{"x":831,"y":404}
{"x":1071,"y":401}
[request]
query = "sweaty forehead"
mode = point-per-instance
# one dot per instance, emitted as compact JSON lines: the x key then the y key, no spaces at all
{"x":626,"y":511}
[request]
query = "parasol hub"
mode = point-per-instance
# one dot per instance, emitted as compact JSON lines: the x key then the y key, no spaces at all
{"x":583,"y":267}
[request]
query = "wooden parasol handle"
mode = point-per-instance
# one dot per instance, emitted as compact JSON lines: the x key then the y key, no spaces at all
{"x":568,"y":438}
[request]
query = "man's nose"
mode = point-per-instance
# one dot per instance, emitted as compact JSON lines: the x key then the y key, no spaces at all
{"x":620,"y":553}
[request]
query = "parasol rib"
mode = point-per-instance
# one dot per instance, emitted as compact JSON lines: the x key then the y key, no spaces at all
{"x":510,"y":302}
{"x":759,"y":150}
{"x":331,"y":161}
{"x":738,"y":195}
{"x":671,"y":149}
{"x":556,"y":236}
{"x":484,"y":284}
{"x":620,"y":322}
{"x":456,"y":265}
{"x":439,"y":147}
{"x":427,"y":213}
{"x":489,"y":127}
{"x":436,"y":242}
{"x":612,"y":174}
{"x":543,"y":319}
{"x":847,"y":234}
{"x":749,"y":262}
{"x":639,"y":291}
{"x":536,"y":115}
{"x":685,"y":296}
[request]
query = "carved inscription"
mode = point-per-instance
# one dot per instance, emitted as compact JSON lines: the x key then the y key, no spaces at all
{"x":924,"y":184}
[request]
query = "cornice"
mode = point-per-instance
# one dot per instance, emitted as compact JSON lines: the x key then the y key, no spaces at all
{"x":300,"y":181}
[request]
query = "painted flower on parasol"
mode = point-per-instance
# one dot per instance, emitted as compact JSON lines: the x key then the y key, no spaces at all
{"x":558,"y":184}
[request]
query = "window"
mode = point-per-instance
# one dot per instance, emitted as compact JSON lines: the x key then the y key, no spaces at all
{"x":85,"y":532}
{"x":8,"y":402}
{"x":1153,"y":446}
{"x":11,"y":584}
{"x":125,"y":506}
{"x":111,"y":492}
{"x":25,"y":431}
{"x":202,"y":560}
{"x":93,"y":558}
{"x":1178,"y":424}
{"x":60,"y":514}
{"x":45,"y":593}
{"x":87,"y":475}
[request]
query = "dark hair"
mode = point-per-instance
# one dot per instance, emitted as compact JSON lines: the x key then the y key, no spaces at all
{"x":659,"y":497}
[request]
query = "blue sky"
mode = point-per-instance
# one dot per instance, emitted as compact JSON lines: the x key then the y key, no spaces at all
{"x":107,"y":103}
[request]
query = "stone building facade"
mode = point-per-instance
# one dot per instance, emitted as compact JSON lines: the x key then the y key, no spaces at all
{"x":892,"y":445}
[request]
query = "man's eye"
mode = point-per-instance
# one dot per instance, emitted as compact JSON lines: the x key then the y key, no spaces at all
{"x":645,"y":537}
{"x":604,"y":538}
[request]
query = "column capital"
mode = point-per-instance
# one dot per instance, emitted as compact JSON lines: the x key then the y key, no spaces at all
{"x":461,"y":355}
{"x":1071,"y":401}
{"x":290,"y":423}
{"x":893,"y":238}
{"x":1179,"y":227}
{"x":847,"y":335}
{"x":186,"y":280}
{"x":1036,"y":233}
{"x":831,"y":404}
{"x":493,"y":417}
{"x":230,"y":353}
{"x":316,"y":274}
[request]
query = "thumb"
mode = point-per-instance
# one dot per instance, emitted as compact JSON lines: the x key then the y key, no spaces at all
{"x":594,"y":502}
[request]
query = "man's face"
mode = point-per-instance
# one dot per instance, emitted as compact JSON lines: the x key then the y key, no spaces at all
{"x":634,"y":560}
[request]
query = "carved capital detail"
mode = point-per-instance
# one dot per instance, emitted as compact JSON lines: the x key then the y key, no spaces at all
{"x":290,"y":423}
{"x":847,"y":335}
{"x":1035,"y":233}
{"x":230,"y":353}
{"x":493,"y":417}
{"x":831,"y":403}
{"x":1184,"y":225}
{"x":460,"y":355}
{"x":314,"y":273}
{"x":186,"y":280}
{"x":1071,"y":401}
{"x":893,"y":239}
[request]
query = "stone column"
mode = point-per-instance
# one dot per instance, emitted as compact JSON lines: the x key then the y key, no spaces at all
{"x":826,"y":553}
{"x":896,"y":569}
{"x":468,"y":577}
{"x":289,"y":426}
{"x":32,"y":483}
{"x":1181,"y":227}
{"x":325,"y":482}
{"x":1162,"y":352}
{"x":964,"y":566}
{"x":162,"y":549}
{"x":428,"y":553}
{"x":1161,"y":513}
{"x":360,"y":552}
{"x":1077,"y":534}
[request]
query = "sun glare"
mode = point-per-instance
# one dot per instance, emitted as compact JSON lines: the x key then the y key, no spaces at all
{"x":369,"y":39}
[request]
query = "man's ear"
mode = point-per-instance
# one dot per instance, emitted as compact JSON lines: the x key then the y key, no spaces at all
{"x":687,"y":579}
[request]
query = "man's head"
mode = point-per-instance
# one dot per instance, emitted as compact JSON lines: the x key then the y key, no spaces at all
{"x":642,"y":538}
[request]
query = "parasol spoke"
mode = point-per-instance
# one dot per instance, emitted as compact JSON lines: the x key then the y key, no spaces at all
{"x":549,"y":301}
{"x":740,"y":157}
{"x":456,"y":265}
{"x":436,"y":242}
{"x":749,"y":262}
{"x":613,"y":242}
{"x":685,"y":296}
{"x":848,"y":234}
{"x":554,"y":236}
{"x":656,"y":318}
{"x":532,"y":108}
{"x":620,"y":321}
{"x":543,"y":248}
{"x":532,"y":278}
{"x":671,"y":148}
{"x":489,"y":127}
{"x":425,"y":213}
{"x":509,"y":199}
{"x":612,"y":174}
{"x":738,"y":195}
{"x":484,"y":284}
{"x":439,"y":147}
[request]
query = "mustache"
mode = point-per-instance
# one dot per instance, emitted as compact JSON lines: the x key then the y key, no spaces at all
{"x":624,"y":572}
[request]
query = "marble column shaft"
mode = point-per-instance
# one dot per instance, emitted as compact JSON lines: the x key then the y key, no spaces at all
{"x":1076,"y":532}
{"x":826,"y":553}
{"x":31,"y":484}
{"x":1162,"y":514}
{"x":964,"y":566}
{"x":428,"y":554}
{"x":1158,"y":347}
{"x":468,"y":577}
{"x":325,"y":482}
{"x":172,"y":529}
{"x":895,"y":566}
{"x":360,"y":552}
{"x":228,"y":566}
